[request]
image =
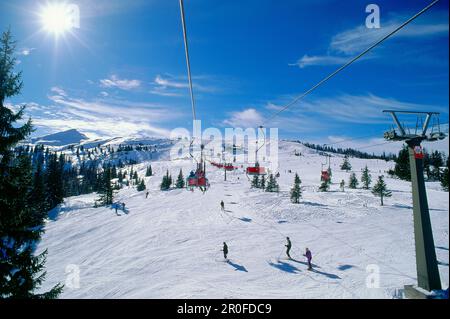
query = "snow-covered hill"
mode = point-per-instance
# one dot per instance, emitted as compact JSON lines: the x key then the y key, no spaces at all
{"x":64,"y":138}
{"x":168,"y":245}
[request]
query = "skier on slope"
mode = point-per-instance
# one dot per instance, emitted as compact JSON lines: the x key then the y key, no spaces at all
{"x":288,"y":247}
{"x":123,"y":206}
{"x":225,"y":250}
{"x":308,"y":256}
{"x":222,"y":205}
{"x":146,"y":195}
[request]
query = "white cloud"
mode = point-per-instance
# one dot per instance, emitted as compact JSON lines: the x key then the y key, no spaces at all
{"x":124,"y":84}
{"x":246,"y":118}
{"x":176,"y":86}
{"x":348,"y":43}
{"x":362,"y":109}
{"x":359,"y":38}
{"x":104,"y":94}
{"x":59,"y":91}
{"x":25,"y":51}
{"x":307,"y":60}
{"x":164,"y":82}
{"x":101,"y":117}
{"x":379,"y":145}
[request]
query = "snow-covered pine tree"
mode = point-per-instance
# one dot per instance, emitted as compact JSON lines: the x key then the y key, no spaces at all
{"x":255,"y":181}
{"x":114,"y":172}
{"x":180,"y":183}
{"x":106,"y":189}
{"x":21,"y":271}
{"x":353,"y":181}
{"x":38,"y":197}
{"x":54,"y":181}
{"x":166,"y":182}
{"x":346,"y":166}
{"x":380,"y":189}
{"x":444,"y":176}
{"x":402,"y":168}
{"x":324,"y":187}
{"x":120,"y":177}
{"x":366,"y":178}
{"x":272,"y":185}
{"x":141,"y":186}
{"x":149,"y":172}
{"x":296,"y":191}
{"x":262,"y":183}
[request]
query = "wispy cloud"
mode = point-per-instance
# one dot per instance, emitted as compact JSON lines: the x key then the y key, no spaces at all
{"x":25,"y":51}
{"x":362,"y":109}
{"x":247,"y":118}
{"x":58,"y":91}
{"x":346,"y":44}
{"x":377,"y":145}
{"x":169,"y":85}
{"x":100,"y":116}
{"x":359,"y":38}
{"x":307,"y":60}
{"x":124,"y":84}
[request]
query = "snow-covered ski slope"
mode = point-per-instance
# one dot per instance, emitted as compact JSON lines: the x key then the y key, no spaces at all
{"x":169,"y":245}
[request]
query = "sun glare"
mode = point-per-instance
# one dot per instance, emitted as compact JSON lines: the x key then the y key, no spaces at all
{"x":56,"y":18}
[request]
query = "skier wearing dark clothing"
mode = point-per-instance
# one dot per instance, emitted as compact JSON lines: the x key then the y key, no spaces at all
{"x":146,"y":195}
{"x":123,"y":206}
{"x":288,"y":247}
{"x":222,"y":205}
{"x":308,"y":256}
{"x":225,"y":250}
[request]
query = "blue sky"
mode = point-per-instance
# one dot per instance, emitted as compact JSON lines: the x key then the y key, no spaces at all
{"x":123,"y":71}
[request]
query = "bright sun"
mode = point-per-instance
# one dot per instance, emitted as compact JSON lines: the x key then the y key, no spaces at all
{"x":56,"y":18}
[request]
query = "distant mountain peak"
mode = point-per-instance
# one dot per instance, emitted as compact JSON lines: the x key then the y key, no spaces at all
{"x":68,"y":137}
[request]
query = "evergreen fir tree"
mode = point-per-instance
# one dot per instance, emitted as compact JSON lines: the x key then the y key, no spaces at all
{"x":180,"y":183}
{"x":149,"y":171}
{"x":444,"y":177}
{"x":353,"y":181}
{"x":296,"y":191}
{"x":166,"y":182}
{"x":346,"y":166}
{"x":380,"y":189}
{"x":255,"y":181}
{"x":366,"y":178}
{"x":141,"y":186}
{"x":120,"y":177}
{"x":324,"y":187}
{"x":54,"y":181}
{"x":402,"y":169}
{"x":114,"y":172}
{"x":38,"y":196}
{"x":106,"y":189}
{"x":21,"y":272}
{"x":262,"y":183}
{"x":272,"y":185}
